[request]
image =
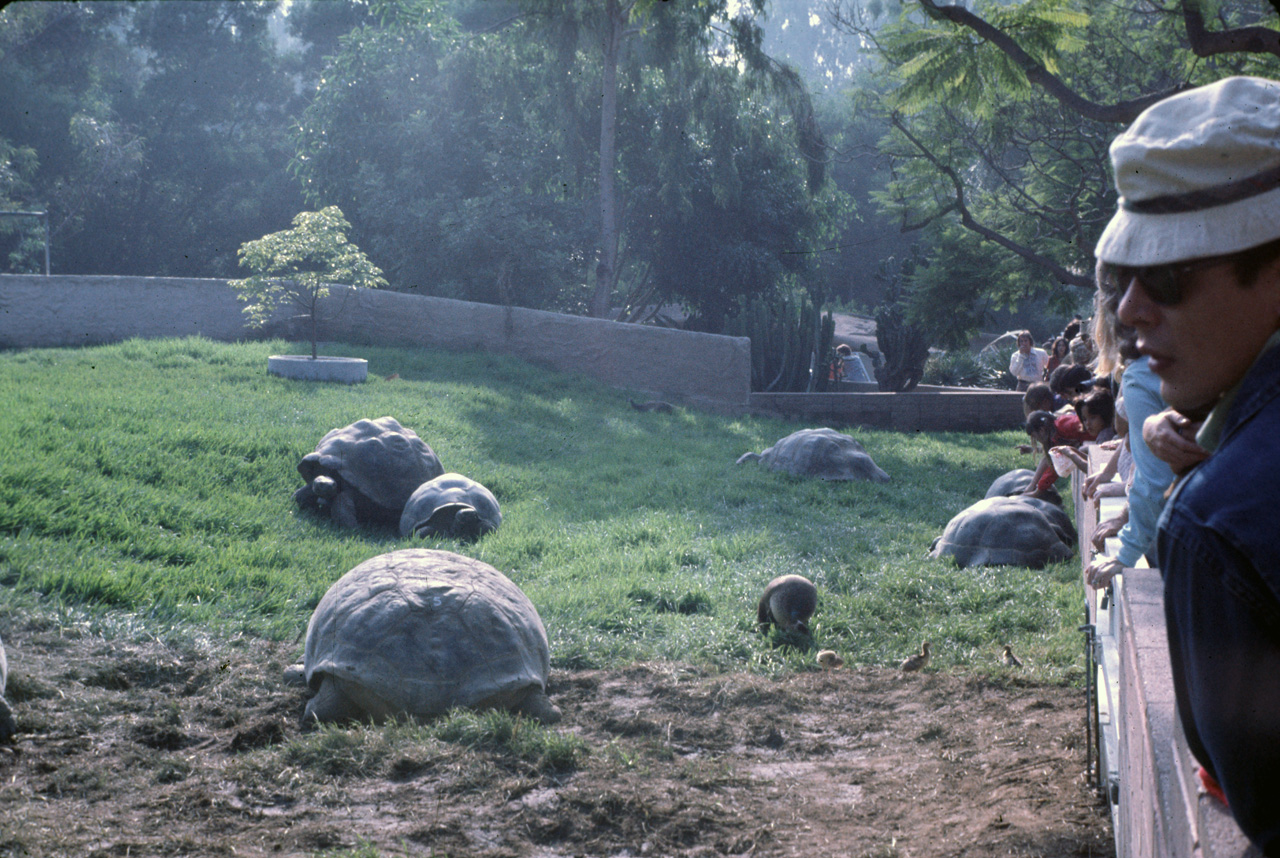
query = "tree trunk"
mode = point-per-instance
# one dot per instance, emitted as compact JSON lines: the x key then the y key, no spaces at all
{"x":607,"y":262}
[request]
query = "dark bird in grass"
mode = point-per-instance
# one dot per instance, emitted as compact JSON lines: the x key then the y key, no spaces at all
{"x":1008,"y":659}
{"x":918,"y":661}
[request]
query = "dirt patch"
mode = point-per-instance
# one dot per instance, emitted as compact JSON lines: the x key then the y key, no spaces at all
{"x":139,"y":749}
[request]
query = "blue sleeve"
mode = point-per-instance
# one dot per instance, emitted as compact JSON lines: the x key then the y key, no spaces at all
{"x":1152,"y":476}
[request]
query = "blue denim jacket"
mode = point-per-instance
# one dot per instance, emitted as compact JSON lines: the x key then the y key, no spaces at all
{"x":1219,"y":549}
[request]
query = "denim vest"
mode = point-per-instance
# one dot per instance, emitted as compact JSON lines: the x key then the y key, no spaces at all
{"x":1219,"y":549}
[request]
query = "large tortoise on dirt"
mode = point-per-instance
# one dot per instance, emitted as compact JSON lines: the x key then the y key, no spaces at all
{"x":822,"y":453}
{"x":1008,"y":531}
{"x":418,"y":632}
{"x":7,"y":726}
{"x":364,"y":473}
{"x":451,"y":506}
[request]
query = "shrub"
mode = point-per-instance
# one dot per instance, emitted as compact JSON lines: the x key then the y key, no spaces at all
{"x":296,"y":266}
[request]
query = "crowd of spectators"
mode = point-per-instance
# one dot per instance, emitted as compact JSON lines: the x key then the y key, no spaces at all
{"x":1187,"y":350}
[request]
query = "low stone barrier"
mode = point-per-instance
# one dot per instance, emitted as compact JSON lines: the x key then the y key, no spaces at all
{"x":687,"y":368}
{"x":1145,"y":769}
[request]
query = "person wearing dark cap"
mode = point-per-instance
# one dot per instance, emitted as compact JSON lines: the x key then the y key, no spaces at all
{"x":1193,"y":255}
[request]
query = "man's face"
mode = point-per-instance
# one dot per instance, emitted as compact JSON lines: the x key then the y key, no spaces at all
{"x":1024,"y":344}
{"x":1205,"y":343}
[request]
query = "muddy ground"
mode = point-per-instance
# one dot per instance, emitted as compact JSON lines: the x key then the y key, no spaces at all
{"x":143,"y":749}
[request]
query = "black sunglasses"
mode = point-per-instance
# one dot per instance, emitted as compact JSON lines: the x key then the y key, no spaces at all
{"x":1163,"y":283}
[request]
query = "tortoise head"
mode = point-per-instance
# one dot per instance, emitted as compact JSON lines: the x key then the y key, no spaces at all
{"x":325,"y":487}
{"x":454,"y":520}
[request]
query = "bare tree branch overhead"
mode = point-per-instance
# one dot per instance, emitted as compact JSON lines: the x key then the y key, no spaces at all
{"x":1246,"y":40}
{"x":1059,"y":273}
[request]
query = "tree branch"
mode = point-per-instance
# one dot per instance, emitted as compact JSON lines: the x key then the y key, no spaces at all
{"x":1246,"y":40}
{"x":1121,"y":112}
{"x":1059,"y":273}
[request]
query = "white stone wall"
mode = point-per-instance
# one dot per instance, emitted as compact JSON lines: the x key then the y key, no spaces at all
{"x":699,"y":370}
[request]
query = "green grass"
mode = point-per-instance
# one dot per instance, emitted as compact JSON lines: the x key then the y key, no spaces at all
{"x":153,"y":480}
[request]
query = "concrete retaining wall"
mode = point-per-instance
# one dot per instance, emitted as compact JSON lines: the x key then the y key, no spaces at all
{"x":699,"y":370}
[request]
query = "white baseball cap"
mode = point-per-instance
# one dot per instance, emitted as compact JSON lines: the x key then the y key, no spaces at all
{"x":1198,"y":174}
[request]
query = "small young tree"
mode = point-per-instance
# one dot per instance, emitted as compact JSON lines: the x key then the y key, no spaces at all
{"x":296,"y":266}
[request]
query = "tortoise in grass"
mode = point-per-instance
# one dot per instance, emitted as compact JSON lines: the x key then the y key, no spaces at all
{"x":1007,"y":531}
{"x":7,"y":725}
{"x":788,"y":602}
{"x":450,"y":506}
{"x":822,"y":453}
{"x":365,"y":472}
{"x":418,"y":632}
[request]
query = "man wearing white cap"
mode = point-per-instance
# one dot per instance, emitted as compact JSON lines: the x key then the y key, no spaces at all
{"x":1193,"y":255}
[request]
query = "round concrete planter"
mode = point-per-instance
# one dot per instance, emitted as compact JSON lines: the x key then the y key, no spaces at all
{"x":347,"y":370}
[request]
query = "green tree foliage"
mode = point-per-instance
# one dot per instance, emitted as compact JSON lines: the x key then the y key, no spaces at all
{"x":296,"y":266}
{"x":1001,"y":115}
{"x":160,"y":129}
{"x":467,"y":158}
{"x":18,"y":235}
{"x":447,"y":152}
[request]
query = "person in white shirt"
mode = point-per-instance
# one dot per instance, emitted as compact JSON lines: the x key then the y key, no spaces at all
{"x":1028,"y":362}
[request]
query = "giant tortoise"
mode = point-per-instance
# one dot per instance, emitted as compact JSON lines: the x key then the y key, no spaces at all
{"x":364,"y":473}
{"x":822,"y":453}
{"x":450,"y":506}
{"x":7,"y":726}
{"x":418,"y":632}
{"x":1015,"y":482}
{"x":1007,"y":531}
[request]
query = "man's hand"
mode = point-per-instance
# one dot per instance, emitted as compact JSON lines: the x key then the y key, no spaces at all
{"x":1109,"y":528}
{"x":1171,"y":438}
{"x":1101,"y":570}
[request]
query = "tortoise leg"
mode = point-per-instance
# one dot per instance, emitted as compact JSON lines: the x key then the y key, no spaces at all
{"x":331,"y":704}
{"x":537,"y":705}
{"x":306,"y":499}
{"x":342,"y":511}
{"x":7,"y":725}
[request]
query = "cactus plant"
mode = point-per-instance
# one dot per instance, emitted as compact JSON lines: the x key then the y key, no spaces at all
{"x":791,"y":342}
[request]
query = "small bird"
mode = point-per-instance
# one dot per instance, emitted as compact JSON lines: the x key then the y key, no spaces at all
{"x":830,"y":659}
{"x":1008,"y":659}
{"x":918,"y":661}
{"x":393,"y":376}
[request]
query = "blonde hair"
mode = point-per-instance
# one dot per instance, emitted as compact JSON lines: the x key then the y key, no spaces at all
{"x":1105,"y":303}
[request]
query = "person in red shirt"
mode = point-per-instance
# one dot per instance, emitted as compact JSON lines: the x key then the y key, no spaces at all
{"x":1052,"y":430}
